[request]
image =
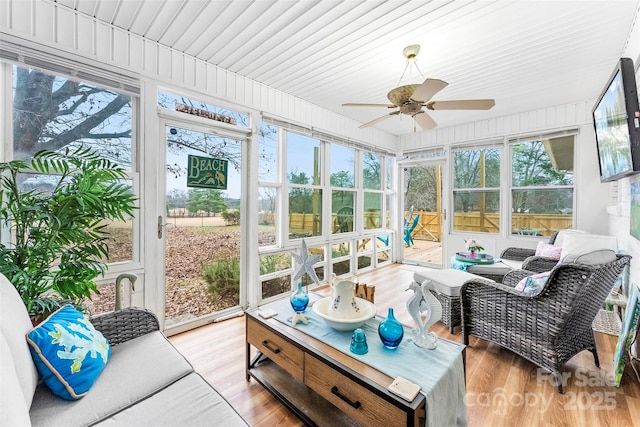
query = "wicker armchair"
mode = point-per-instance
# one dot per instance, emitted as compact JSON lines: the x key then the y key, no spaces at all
{"x":531,"y":262}
{"x":549,"y":328}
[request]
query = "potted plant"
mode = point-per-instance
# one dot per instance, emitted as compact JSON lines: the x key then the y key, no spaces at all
{"x":58,"y":238}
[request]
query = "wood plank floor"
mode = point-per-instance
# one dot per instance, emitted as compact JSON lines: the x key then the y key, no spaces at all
{"x":503,"y":389}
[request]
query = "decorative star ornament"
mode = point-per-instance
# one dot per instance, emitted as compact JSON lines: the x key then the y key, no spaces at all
{"x":306,"y":263}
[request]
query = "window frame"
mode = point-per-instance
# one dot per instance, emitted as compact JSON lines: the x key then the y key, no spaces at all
{"x":493,"y":190}
{"x":511,"y":142}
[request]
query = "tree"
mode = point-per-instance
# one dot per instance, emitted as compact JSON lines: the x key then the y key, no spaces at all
{"x":177,"y":201}
{"x":467,"y":170}
{"x":300,"y":198}
{"x":207,"y":200}
{"x":421,"y":188}
{"x":52,"y":112}
{"x":532,"y":167}
{"x":372,"y":172}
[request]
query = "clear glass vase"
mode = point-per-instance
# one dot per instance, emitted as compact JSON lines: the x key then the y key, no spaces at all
{"x":299,"y":299}
{"x":390,"y":331}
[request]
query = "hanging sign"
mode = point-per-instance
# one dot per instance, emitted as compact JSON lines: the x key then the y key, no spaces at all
{"x":206,"y":172}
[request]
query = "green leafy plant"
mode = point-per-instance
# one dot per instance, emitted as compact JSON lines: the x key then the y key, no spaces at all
{"x":223,"y":276}
{"x":58,"y":242}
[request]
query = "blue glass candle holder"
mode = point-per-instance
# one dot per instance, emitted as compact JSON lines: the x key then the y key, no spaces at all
{"x":299,"y":299}
{"x":391,"y":331}
{"x":359,"y":342}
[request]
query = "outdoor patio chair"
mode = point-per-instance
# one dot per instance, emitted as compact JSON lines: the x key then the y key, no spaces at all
{"x":408,"y":229}
{"x":550,"y":327}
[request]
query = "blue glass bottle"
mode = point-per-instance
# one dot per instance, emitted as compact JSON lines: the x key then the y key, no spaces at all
{"x":299,"y":299}
{"x":390,"y":331}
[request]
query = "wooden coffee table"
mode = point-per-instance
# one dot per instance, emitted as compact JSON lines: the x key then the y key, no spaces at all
{"x":320,"y":384}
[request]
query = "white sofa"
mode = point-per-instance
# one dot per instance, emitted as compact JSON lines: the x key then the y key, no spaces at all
{"x":146,"y":381}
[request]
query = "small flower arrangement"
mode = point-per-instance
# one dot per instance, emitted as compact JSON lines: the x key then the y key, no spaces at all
{"x":473,"y":245}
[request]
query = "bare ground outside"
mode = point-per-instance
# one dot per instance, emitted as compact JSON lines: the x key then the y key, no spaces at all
{"x":192,"y":243}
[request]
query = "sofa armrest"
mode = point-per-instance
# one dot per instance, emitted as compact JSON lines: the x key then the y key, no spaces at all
{"x":539,"y":264}
{"x":517,"y":254}
{"x":126,"y":324}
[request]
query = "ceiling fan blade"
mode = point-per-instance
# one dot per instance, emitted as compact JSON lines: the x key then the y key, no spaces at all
{"x":427,"y":89}
{"x":462,"y":104}
{"x":379,"y":119}
{"x":424,"y":120}
{"x":353,"y":104}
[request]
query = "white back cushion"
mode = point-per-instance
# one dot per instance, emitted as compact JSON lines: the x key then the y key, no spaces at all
{"x":576,"y":244}
{"x":564,"y":233}
{"x":15,"y":325}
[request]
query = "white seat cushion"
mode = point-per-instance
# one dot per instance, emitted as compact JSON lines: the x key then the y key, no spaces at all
{"x":447,"y":281}
{"x":512,"y":264}
{"x":498,"y":268}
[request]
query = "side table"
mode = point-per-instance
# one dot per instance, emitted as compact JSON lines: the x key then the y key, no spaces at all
{"x":495,"y":271}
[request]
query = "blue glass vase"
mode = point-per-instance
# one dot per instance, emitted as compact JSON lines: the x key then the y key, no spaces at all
{"x":390,"y":331}
{"x":299,"y":299}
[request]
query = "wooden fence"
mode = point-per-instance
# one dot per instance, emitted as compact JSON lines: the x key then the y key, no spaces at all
{"x":429,"y":226}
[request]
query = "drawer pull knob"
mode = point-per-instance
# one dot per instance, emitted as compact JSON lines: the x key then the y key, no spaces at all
{"x":266,"y":344}
{"x":355,"y":404}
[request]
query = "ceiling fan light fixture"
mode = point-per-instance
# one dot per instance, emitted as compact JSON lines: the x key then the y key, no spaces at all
{"x":410,"y":52}
{"x":409,"y":99}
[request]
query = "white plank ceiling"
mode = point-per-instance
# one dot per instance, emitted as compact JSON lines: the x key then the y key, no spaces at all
{"x":525,"y":54}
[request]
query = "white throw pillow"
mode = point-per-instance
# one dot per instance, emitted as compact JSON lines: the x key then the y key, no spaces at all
{"x":584,"y":243}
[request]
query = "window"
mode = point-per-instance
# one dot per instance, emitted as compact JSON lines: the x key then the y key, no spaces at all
{"x":343,"y":193}
{"x":542,"y":185}
{"x":372,"y":184}
{"x":305,"y":190}
{"x":53,"y":112}
{"x":476,"y":190}
{"x":269,"y":185}
{"x":198,"y":108}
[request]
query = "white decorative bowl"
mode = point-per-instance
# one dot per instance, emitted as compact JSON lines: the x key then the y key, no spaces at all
{"x":367,"y":311}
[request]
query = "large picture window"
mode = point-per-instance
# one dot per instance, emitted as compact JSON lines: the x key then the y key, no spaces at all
{"x":53,"y":112}
{"x":542,"y":185}
{"x":476,"y":189}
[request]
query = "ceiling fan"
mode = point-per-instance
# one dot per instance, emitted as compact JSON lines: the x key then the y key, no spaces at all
{"x":410,"y":99}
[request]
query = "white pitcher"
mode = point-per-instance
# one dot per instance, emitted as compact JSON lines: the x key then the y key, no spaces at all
{"x":343,"y":300}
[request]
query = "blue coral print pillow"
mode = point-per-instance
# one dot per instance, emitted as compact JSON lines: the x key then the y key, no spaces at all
{"x":69,"y":352}
{"x":533,"y":284}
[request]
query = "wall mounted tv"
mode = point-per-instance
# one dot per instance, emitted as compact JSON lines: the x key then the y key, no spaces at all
{"x":616,"y":119}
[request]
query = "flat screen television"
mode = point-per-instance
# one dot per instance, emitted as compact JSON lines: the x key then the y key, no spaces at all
{"x":616,"y":119}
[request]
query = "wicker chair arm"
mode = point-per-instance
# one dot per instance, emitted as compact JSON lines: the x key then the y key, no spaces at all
{"x":487,"y":287}
{"x":539,"y":264}
{"x":514,"y":276}
{"x":517,"y":254}
{"x":126,"y":324}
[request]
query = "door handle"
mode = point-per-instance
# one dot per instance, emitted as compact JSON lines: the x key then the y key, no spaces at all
{"x":160,"y":225}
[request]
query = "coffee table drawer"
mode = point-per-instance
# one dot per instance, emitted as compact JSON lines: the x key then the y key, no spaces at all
{"x":353,"y":399}
{"x":286,"y":355}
